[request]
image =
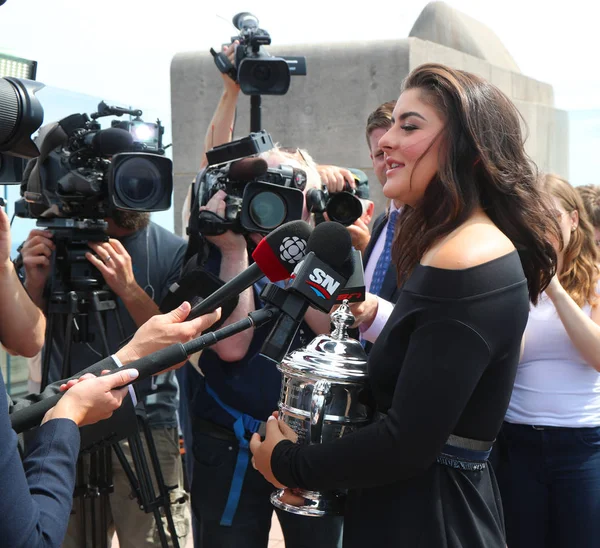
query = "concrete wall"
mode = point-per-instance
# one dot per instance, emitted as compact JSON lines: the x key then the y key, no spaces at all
{"x":325,"y":111}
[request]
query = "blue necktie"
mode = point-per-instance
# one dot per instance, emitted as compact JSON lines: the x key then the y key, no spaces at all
{"x":385,"y":258}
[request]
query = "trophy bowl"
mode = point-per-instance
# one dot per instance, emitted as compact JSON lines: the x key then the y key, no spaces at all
{"x":322,"y":400}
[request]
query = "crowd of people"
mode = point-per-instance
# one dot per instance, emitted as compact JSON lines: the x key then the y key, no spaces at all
{"x":481,"y":324}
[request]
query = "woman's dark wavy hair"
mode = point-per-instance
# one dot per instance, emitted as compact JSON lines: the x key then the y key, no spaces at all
{"x":482,"y":163}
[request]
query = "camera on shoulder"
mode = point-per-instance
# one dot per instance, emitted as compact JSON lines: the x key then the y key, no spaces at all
{"x":86,"y":172}
{"x":259,"y":198}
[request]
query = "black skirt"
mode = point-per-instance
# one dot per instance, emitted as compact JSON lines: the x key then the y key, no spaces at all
{"x":454,"y":504}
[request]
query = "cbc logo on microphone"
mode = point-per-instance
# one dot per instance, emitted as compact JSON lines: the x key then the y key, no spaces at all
{"x":292,"y":249}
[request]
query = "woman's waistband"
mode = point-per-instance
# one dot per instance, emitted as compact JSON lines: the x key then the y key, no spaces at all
{"x":459,"y":452}
{"x":465,"y":453}
{"x":520,"y":426}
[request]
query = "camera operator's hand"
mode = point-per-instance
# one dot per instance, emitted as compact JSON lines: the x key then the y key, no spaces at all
{"x":114,"y":263}
{"x":36,"y":252}
{"x":229,"y":84}
{"x":163,"y":330}
{"x":92,"y":399}
{"x":359,"y":230}
{"x":335,"y":178}
{"x":365,"y":312}
{"x":230,"y":242}
{"x":360,"y":234}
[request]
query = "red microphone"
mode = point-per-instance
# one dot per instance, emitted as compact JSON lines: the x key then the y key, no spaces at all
{"x":275,"y":257}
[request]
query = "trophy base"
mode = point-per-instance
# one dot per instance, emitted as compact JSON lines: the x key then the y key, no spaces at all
{"x":315,"y":504}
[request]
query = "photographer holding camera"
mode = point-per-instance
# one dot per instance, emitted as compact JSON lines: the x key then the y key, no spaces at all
{"x":229,"y":499}
{"x":139,"y":263}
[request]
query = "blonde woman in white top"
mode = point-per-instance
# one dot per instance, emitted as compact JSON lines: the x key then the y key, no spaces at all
{"x":549,"y":447}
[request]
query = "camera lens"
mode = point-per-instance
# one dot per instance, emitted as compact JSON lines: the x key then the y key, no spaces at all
{"x":344,"y":208}
{"x":138,"y":183}
{"x":264,"y":76}
{"x":261,"y":73}
{"x":20,"y":115}
{"x":267,"y":210}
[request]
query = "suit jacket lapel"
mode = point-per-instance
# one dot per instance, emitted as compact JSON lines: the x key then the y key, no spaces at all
{"x":377,"y":228}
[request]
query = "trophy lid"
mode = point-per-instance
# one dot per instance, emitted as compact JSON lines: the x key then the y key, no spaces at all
{"x":335,"y":357}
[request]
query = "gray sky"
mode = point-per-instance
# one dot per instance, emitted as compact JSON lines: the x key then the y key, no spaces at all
{"x":122,"y":48}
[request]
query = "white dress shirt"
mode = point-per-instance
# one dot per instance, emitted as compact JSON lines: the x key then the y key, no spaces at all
{"x":384,"y":308}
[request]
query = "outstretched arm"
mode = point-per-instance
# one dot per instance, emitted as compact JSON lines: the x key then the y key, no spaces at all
{"x":220,"y":129}
{"x":23,"y":324}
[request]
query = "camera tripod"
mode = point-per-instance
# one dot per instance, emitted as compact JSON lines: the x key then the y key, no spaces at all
{"x":77,"y":298}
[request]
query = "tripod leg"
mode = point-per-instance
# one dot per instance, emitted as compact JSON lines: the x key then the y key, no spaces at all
{"x":146,"y":487}
{"x":105,"y":485}
{"x":163,"y":491}
{"x":47,"y":352}
{"x":66,"y":365}
{"x":128,"y":471}
{"x":98,"y":316}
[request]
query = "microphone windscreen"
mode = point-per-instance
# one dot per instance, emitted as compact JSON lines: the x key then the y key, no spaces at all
{"x":247,"y":169}
{"x":278,"y":253}
{"x":111,"y":141}
{"x":331,"y":243}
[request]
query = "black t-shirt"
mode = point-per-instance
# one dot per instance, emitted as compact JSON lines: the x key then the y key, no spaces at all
{"x":444,"y":364}
{"x":156,"y":258}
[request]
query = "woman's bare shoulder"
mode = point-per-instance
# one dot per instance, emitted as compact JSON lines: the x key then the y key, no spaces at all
{"x":468,"y":246}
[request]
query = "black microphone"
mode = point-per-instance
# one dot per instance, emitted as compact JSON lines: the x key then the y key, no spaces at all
{"x":275,"y":257}
{"x":293,"y":306}
{"x":354,"y":291}
{"x":149,"y":365}
{"x":247,"y":169}
{"x":111,"y":141}
{"x":317,"y":281}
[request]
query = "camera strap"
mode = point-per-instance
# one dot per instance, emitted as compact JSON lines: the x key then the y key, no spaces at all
{"x":196,"y":242}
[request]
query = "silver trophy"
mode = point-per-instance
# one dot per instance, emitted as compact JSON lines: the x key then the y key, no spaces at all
{"x":320,"y":400}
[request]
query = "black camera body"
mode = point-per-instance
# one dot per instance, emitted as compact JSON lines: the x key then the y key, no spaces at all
{"x":86,"y":172}
{"x":341,"y":207}
{"x":257,"y":72}
{"x":259,"y":198}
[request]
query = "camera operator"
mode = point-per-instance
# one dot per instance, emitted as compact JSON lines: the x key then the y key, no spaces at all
{"x":37,"y":492}
{"x":139,"y":263}
{"x":231,"y":501}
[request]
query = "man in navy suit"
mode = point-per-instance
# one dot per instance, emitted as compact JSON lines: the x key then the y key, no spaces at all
{"x":380,"y":274}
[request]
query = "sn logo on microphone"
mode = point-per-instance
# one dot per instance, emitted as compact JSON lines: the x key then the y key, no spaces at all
{"x":322,"y":283}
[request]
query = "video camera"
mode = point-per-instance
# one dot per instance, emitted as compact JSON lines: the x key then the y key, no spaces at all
{"x":259,"y":198}
{"x":21,"y":114}
{"x":257,"y":72}
{"x":342,"y":207}
{"x":86,"y":172}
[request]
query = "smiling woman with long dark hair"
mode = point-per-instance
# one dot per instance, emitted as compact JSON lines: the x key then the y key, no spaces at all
{"x":473,"y":249}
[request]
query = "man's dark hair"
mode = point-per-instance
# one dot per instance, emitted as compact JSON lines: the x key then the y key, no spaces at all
{"x":380,"y":118}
